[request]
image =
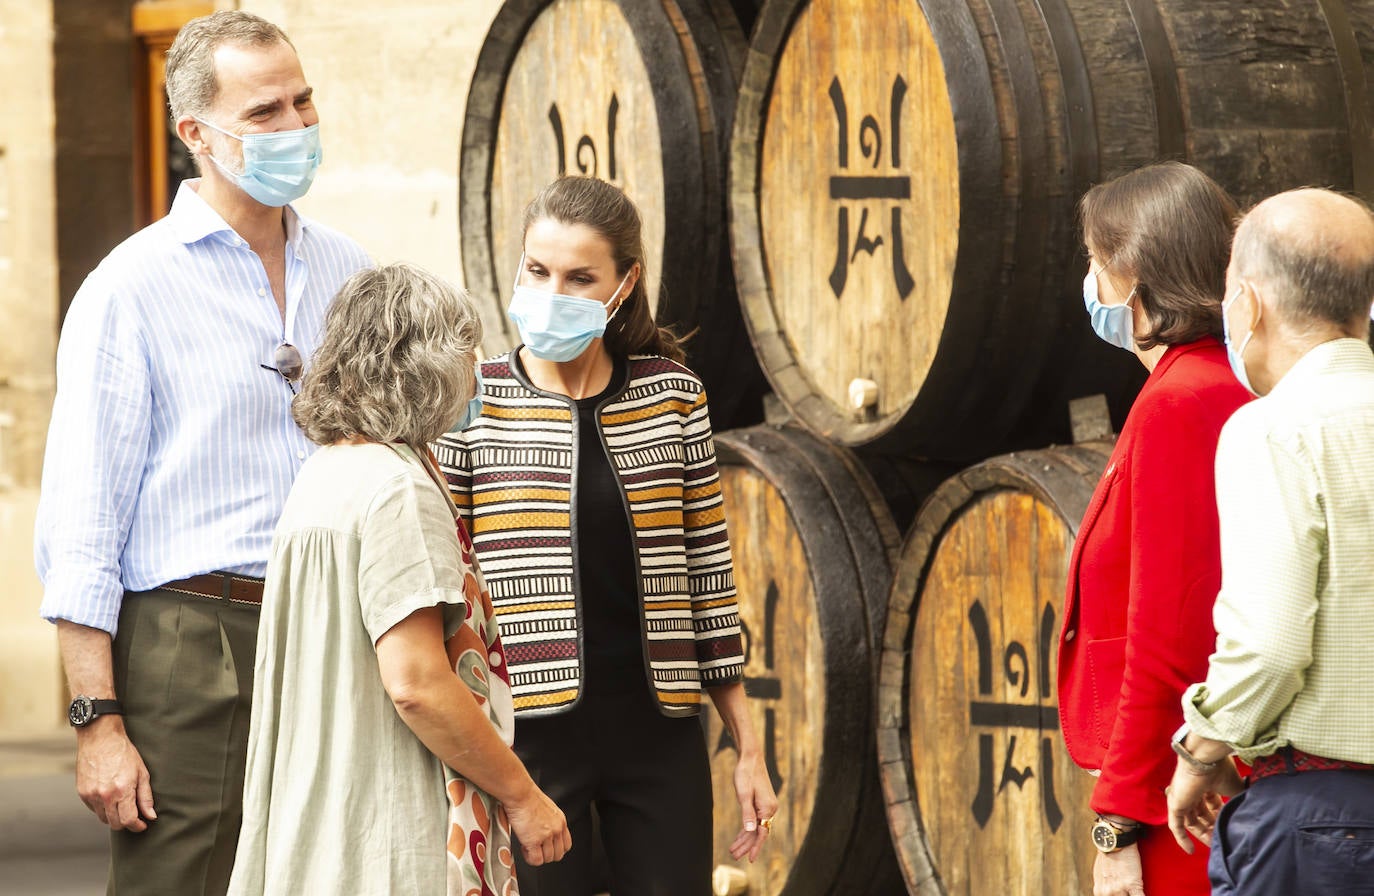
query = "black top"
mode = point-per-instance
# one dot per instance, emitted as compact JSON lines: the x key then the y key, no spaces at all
{"x":607,"y":587}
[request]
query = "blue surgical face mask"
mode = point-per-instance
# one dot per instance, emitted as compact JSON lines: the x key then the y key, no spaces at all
{"x":556,"y":327}
{"x":473,"y":410}
{"x":278,"y":167}
{"x":1113,"y":324}
{"x":1234,"y":355}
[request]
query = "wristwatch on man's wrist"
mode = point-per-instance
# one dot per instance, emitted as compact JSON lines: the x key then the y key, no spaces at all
{"x":84,"y":710}
{"x":1110,"y":837}
{"x":1180,"y":736}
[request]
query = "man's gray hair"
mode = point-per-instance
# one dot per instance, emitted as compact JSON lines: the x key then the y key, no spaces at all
{"x":1308,"y":267}
{"x":396,"y":361}
{"x":191,"y":82}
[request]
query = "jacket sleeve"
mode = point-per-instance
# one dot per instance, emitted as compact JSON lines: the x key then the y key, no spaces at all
{"x":452,"y":455}
{"x":710,"y":571}
{"x":1175,"y":574}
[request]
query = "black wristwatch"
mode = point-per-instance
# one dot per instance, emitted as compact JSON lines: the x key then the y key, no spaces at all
{"x":1109,"y":837}
{"x":84,"y":710}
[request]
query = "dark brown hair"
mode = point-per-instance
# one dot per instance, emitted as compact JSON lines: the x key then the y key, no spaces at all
{"x":609,"y":212}
{"x":1168,"y":227}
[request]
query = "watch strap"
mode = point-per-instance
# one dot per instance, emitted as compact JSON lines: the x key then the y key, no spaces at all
{"x":107,"y":708}
{"x":1126,"y":836}
{"x":1122,"y":835}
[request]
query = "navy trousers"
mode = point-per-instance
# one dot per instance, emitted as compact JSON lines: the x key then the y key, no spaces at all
{"x":1310,"y":833}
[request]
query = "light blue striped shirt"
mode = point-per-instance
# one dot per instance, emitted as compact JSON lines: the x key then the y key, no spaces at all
{"x":171,"y":451}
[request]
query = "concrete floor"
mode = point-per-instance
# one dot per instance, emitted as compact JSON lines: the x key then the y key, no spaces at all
{"x":50,"y":844}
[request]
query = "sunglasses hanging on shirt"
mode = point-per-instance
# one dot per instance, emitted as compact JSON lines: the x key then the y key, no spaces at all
{"x":287,"y":362}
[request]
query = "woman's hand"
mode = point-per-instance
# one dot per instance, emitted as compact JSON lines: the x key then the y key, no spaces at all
{"x":757,"y":805}
{"x":1118,"y":873}
{"x":540,"y":826}
{"x":753,"y":788}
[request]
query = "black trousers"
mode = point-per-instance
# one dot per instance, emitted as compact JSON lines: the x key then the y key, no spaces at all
{"x":1310,"y":833}
{"x":648,"y":777}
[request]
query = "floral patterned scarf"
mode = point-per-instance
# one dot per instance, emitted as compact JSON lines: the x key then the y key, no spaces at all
{"x":480,"y":860}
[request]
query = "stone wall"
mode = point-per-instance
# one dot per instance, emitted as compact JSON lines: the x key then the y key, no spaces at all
{"x":391,"y":85}
{"x":391,"y":88}
{"x":30,"y":682}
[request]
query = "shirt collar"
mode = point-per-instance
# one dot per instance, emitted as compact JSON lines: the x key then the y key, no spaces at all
{"x":1337,"y":356}
{"x":192,"y":219}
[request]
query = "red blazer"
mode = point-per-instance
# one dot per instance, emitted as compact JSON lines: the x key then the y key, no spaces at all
{"x":1144,"y":573}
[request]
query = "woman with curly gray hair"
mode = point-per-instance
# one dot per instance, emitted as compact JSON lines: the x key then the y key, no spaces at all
{"x":373,"y":601}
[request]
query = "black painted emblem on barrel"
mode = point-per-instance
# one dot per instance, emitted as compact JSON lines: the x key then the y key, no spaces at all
{"x":867,"y":187}
{"x":1041,"y":718}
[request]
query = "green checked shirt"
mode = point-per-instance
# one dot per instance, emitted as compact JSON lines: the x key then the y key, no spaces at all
{"x":1295,"y":616}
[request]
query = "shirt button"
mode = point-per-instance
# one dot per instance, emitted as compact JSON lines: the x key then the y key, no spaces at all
{"x":261,"y":291}
{"x":1068,"y":635}
{"x":300,"y":455}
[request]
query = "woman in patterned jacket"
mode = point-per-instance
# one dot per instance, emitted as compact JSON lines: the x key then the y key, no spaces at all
{"x":590,"y":486}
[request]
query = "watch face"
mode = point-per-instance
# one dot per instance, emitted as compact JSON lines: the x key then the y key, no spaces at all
{"x":80,"y":712}
{"x":1104,"y":837}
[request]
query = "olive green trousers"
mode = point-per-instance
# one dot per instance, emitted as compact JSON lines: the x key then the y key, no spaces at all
{"x":183,"y":669}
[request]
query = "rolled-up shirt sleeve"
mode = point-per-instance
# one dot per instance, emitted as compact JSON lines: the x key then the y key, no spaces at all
{"x":94,"y":460}
{"x":1272,"y":541}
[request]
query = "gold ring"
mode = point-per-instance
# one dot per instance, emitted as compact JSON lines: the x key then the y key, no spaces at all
{"x":767,"y":825}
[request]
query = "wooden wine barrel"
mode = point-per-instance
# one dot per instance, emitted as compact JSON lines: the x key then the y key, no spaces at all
{"x":639,"y":94}
{"x":981,"y":796}
{"x":904,"y":178}
{"x":812,"y":546}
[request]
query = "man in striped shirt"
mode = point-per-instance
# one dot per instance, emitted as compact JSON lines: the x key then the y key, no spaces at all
{"x":1289,"y":687}
{"x":171,"y":452}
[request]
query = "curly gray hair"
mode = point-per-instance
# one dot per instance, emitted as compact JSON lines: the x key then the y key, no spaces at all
{"x":191,"y":81}
{"x":396,"y":362}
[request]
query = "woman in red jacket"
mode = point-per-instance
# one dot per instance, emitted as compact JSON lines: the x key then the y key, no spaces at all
{"x":1146,"y":566}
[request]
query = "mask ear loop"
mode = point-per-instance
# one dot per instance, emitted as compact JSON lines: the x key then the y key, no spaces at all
{"x":616,"y":293}
{"x":519,"y":269}
{"x":1259,"y":311}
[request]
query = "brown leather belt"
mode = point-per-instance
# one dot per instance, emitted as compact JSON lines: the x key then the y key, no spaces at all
{"x":1290,"y":761}
{"x":220,"y":586}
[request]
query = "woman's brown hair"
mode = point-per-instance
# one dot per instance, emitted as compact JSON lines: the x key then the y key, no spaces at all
{"x":609,"y":212}
{"x":1168,"y":227}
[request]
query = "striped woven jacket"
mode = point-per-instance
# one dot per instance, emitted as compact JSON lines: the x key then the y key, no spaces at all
{"x":511,"y":474}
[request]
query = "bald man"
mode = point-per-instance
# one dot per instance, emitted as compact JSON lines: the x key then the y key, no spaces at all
{"x":1290,"y":686}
